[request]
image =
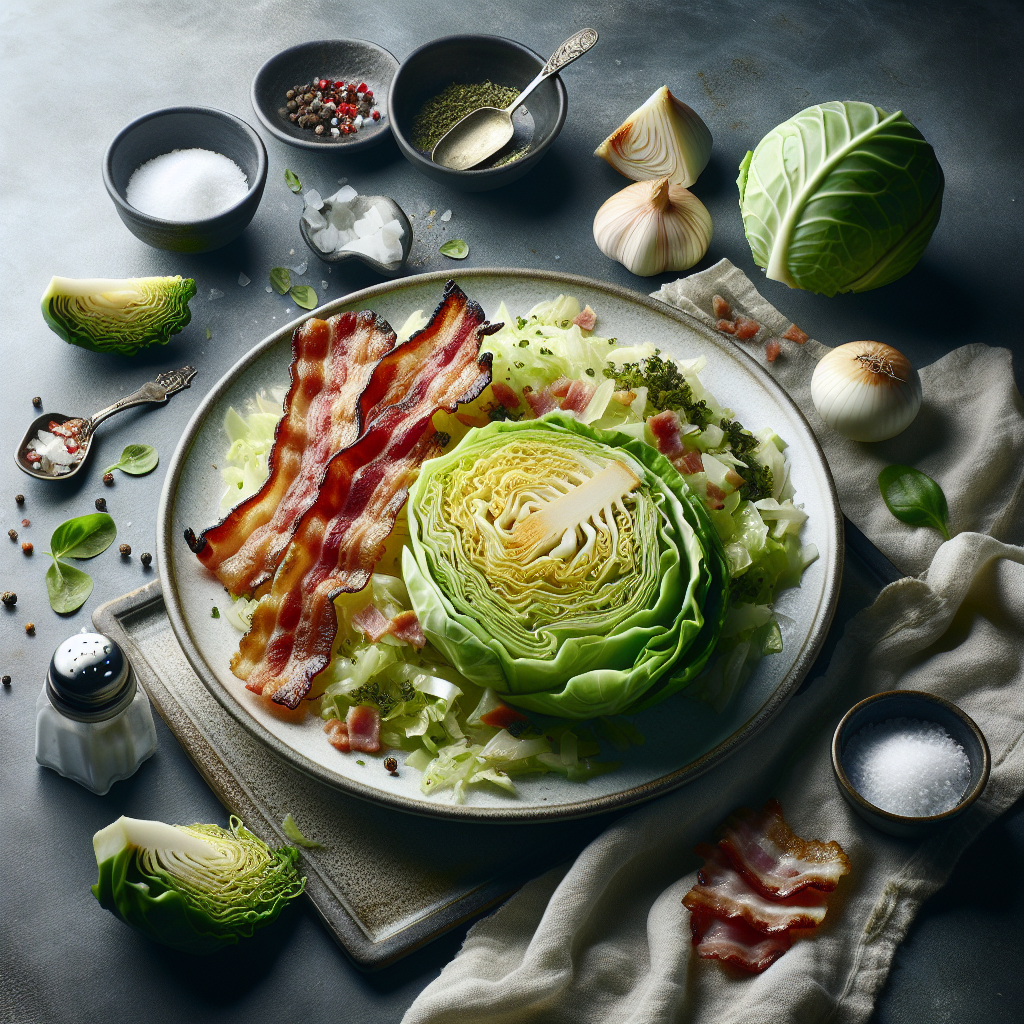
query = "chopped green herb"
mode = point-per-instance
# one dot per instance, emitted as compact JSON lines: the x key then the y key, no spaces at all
{"x":666,"y":387}
{"x":590,"y":371}
{"x":280,"y":280}
{"x":455,"y":248}
{"x":215,"y":613}
{"x":209,"y":334}
{"x":520,"y":322}
{"x":548,"y":352}
{"x":524,"y":343}
{"x":363,"y":763}
{"x":293,"y":832}
{"x":292,"y":181}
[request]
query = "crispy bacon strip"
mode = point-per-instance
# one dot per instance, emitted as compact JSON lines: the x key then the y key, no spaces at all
{"x":764,"y":849}
{"x":721,"y":890}
{"x":332,"y":361}
{"x":340,"y":538}
{"x":735,"y":942}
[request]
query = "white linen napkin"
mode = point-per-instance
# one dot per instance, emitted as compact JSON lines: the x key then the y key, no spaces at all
{"x":607,"y":939}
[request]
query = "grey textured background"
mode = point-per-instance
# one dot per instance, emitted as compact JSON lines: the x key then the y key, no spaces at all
{"x":73,"y":74}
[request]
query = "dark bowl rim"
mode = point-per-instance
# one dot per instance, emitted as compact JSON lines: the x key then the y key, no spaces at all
{"x":902,"y":819}
{"x":255,"y":186}
{"x":414,"y":155}
{"x":348,"y":143}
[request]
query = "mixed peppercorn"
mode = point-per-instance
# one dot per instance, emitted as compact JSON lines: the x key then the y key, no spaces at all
{"x":330,"y":108}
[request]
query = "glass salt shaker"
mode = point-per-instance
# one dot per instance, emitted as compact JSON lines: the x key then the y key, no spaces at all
{"x":93,"y":722}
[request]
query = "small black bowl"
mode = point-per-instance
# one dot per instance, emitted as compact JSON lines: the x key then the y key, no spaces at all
{"x":164,"y":131}
{"x":925,"y":707}
{"x":472,"y":59}
{"x":349,"y":60}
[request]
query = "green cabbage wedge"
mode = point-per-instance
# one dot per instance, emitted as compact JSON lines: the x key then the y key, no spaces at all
{"x":119,"y":316}
{"x":568,"y":568}
{"x":194,"y":888}
{"x":842,"y":197}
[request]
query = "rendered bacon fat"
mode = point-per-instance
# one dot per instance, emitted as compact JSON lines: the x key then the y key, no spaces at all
{"x":340,"y":537}
{"x":332,"y":361}
{"x":764,"y":849}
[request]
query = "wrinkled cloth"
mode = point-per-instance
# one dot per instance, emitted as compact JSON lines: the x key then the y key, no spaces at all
{"x":607,"y":939}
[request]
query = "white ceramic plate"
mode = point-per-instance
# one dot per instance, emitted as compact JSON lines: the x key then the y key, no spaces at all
{"x":683,"y":738}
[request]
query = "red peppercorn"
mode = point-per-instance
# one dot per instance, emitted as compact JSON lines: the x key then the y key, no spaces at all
{"x":369,"y":94}
{"x":361,"y":87}
{"x":376,"y":115}
{"x":323,"y":83}
{"x":339,"y":85}
{"x":26,"y":522}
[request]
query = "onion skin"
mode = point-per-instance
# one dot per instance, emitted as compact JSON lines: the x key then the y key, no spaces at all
{"x":866,"y":391}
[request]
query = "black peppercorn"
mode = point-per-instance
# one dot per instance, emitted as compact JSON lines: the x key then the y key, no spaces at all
{"x":108,"y":479}
{"x":290,"y":94}
{"x":126,"y":550}
{"x":391,"y":765}
{"x":19,"y":499}
{"x":13,"y":534}
{"x":101,"y":504}
{"x":9,"y":598}
{"x":7,"y":681}
{"x":37,"y":402}
{"x":146,"y":559}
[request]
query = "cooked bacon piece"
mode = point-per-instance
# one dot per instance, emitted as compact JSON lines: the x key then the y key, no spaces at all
{"x":406,"y":626}
{"x":542,"y":401}
{"x":505,"y":395}
{"x":502,"y":717}
{"x":363,"y":723}
{"x":795,"y":334}
{"x":716,"y":496}
{"x":723,"y":891}
{"x":721,"y":308}
{"x":764,"y":849}
{"x":373,"y":622}
{"x":624,"y":397}
{"x":772,"y":350}
{"x":746,"y":328}
{"x":726,"y":327}
{"x":585,"y":319}
{"x":337,"y":734}
{"x":578,"y":397}
{"x":665,"y":426}
{"x":340,"y":538}
{"x":560,"y":387}
{"x":688,"y":463}
{"x":733,"y":478}
{"x":735,"y":942}
{"x":332,"y":361}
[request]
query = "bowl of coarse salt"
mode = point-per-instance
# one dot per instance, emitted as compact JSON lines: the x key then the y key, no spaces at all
{"x":908,"y":761}
{"x":186,"y":179}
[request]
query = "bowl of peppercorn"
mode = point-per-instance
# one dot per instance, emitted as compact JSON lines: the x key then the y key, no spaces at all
{"x":326,"y":94}
{"x":443,"y":80}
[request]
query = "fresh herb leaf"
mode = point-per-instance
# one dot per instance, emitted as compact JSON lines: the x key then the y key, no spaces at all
{"x":455,"y":248}
{"x":292,"y":181}
{"x":215,"y":613}
{"x":304,"y":296}
{"x":520,"y":322}
{"x":84,"y":536}
{"x":292,"y":831}
{"x":136,"y":460}
{"x":280,"y":280}
{"x":914,"y":498}
{"x":67,"y":587}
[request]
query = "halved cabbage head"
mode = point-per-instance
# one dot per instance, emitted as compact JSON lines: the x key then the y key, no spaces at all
{"x":568,"y":568}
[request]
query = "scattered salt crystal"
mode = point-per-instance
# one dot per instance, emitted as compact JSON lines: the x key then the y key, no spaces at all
{"x":558,"y":257}
{"x":358,"y":121}
{"x":343,"y":181}
{"x":906,"y":766}
{"x":243,"y":280}
{"x":345,"y":194}
{"x":315,"y":221}
{"x":323,"y":285}
{"x":214,"y":295}
{"x":268,"y":288}
{"x":301,"y":268}
{"x":312,"y":199}
{"x":187,"y":185}
{"x":446,"y":216}
{"x":291,"y":252}
{"x":335,"y":131}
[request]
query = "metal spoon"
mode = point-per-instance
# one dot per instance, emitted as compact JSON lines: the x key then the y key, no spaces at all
{"x":165,"y":385}
{"x":482,"y":132}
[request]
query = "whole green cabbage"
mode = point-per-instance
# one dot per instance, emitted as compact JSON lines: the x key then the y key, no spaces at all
{"x":842,"y":197}
{"x":568,"y":568}
{"x":196,"y":887}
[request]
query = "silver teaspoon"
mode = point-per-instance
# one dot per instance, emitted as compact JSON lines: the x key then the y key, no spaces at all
{"x":82,"y":428}
{"x":482,"y":132}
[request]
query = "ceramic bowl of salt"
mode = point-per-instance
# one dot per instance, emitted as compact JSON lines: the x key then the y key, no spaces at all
{"x":908,"y":762}
{"x":186,"y":179}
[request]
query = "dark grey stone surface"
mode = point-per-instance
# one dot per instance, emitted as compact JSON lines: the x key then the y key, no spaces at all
{"x":73,"y":74}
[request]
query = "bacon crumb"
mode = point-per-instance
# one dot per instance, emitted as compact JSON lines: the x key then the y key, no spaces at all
{"x":505,"y":395}
{"x":560,"y":388}
{"x":721,"y":308}
{"x":406,"y":626}
{"x":578,"y":397}
{"x":772,"y":350}
{"x":337,"y":735}
{"x":795,"y":334}
{"x":624,"y":397}
{"x":665,"y":427}
{"x":541,"y":402}
{"x":726,"y":327}
{"x":689,"y":463}
{"x":586,"y":319}
{"x":716,"y":496}
{"x":373,"y":622}
{"x":746,"y":328}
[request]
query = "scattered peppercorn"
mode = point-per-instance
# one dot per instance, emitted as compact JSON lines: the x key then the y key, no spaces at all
{"x":320,"y":104}
{"x":101,"y":504}
{"x":146,"y":559}
{"x":27,"y":547}
{"x":19,"y":499}
{"x":108,"y":479}
{"x":126,"y":550}
{"x":26,"y":522}
{"x":30,"y":628}
{"x":13,"y":534}
{"x":9,"y":598}
{"x":7,"y":681}
{"x":37,"y":402}
{"x":391,"y":765}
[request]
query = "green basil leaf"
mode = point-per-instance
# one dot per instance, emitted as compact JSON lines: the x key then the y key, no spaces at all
{"x":456,"y":248}
{"x":304,"y":296}
{"x":914,"y":498}
{"x":292,"y":180}
{"x":292,"y":831}
{"x":84,"y":536}
{"x":136,"y":460}
{"x":281,"y":280}
{"x":68,"y":588}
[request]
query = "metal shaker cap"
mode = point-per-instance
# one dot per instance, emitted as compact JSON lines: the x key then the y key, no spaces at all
{"x":90,"y":679}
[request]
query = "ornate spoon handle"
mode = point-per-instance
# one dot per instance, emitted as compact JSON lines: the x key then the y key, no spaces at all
{"x":575,"y":46}
{"x":165,"y":385}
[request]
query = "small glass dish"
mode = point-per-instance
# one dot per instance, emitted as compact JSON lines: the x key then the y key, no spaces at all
{"x":923,"y":707}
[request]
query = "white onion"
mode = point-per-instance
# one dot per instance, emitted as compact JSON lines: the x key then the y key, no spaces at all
{"x":866,"y":391}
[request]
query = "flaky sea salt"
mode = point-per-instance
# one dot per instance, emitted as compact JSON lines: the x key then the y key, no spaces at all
{"x":243,"y":280}
{"x":906,"y":766}
{"x":187,"y":185}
